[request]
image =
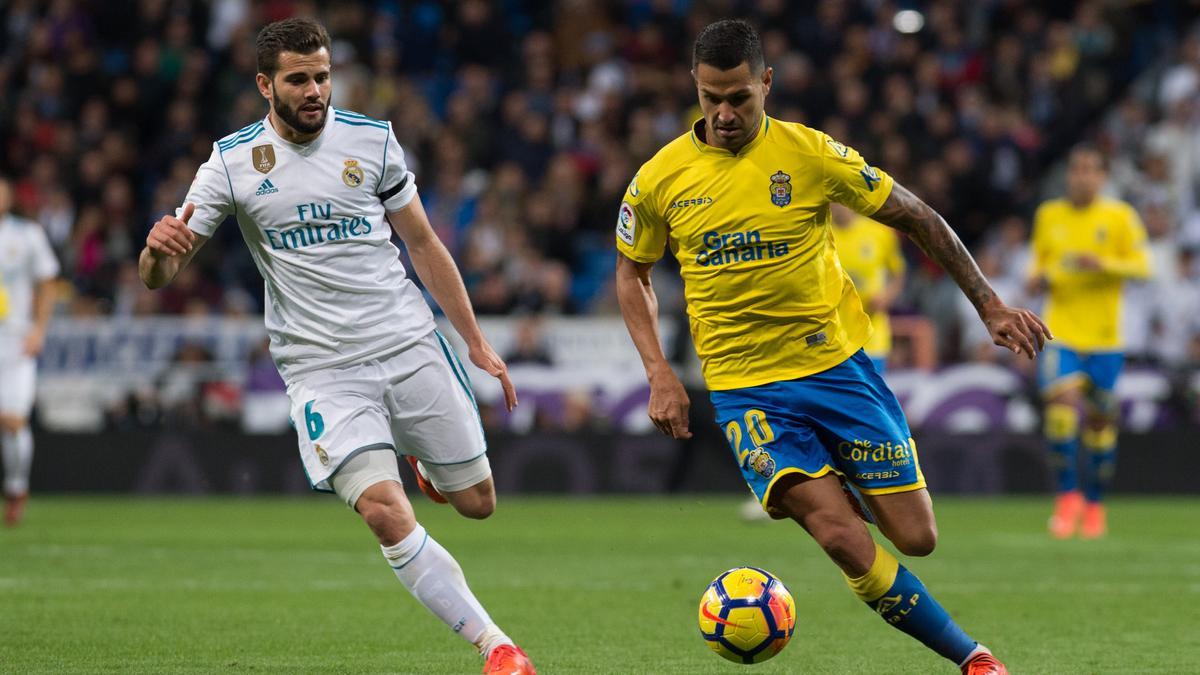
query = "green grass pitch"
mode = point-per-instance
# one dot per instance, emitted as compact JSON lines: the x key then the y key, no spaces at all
{"x":605,"y":585}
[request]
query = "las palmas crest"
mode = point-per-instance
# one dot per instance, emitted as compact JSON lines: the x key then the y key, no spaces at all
{"x":781,"y":189}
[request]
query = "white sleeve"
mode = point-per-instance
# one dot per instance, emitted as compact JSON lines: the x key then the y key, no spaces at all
{"x":45,"y":265}
{"x":212,"y":193}
{"x":397,"y":185}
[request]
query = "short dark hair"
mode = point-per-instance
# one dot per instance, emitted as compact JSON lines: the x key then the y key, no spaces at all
{"x":302,"y":36}
{"x":726,"y":44}
{"x":1087,"y":148}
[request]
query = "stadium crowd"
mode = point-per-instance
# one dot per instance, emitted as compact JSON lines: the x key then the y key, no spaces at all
{"x":524,"y":121}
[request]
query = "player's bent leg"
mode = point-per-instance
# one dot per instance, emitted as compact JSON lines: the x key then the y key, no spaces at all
{"x":872,"y":573}
{"x":1062,"y":434}
{"x":1100,"y":443}
{"x":468,"y":486}
{"x":370,"y":482}
{"x":477,"y":501}
{"x":907,"y":520}
{"x":820,"y":507}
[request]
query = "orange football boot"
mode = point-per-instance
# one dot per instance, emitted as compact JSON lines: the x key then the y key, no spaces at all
{"x":508,"y":660}
{"x":14,"y":509}
{"x":984,"y":663}
{"x":1068,"y":506}
{"x":424,"y":483}
{"x":1095,"y":521}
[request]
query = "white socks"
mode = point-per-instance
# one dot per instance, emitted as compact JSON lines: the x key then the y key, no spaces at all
{"x":18,"y":458}
{"x":432,"y":575}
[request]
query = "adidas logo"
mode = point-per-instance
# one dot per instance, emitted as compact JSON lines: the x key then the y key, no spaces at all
{"x":266,"y":188}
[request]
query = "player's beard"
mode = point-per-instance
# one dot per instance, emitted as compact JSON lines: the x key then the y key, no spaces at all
{"x":291,"y":116}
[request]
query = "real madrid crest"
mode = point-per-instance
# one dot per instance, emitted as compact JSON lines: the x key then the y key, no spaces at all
{"x":263,"y":157}
{"x":352,"y":176}
{"x":322,"y":455}
{"x":781,"y":189}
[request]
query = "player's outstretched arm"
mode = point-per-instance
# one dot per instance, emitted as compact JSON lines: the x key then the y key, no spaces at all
{"x":1017,"y":329}
{"x":170,"y":246}
{"x":669,"y":402}
{"x":437,"y":271}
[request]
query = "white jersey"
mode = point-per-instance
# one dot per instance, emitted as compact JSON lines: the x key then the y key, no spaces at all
{"x":313,"y":217}
{"x":26,"y":258}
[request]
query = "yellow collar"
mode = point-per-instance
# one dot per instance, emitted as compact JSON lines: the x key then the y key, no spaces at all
{"x":712,"y":150}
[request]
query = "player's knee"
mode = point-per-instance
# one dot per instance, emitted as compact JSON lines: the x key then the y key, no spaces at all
{"x":1062,"y":421}
{"x":10,"y":424}
{"x":386,"y":515}
{"x":1100,"y":434}
{"x":840,"y":538}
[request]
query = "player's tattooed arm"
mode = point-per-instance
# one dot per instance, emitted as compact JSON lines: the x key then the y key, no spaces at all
{"x":1020,"y":330}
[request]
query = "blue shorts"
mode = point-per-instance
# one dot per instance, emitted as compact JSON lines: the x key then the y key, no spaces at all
{"x":1096,"y":371}
{"x":843,"y":420}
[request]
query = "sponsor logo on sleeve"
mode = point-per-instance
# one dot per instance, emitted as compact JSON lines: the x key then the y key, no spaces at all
{"x":870,"y":176}
{"x":626,"y":223}
{"x":840,"y":149}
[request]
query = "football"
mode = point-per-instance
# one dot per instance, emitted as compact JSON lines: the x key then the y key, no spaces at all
{"x":747,"y":615}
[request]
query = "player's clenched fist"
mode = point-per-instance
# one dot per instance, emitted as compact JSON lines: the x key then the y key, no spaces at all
{"x":170,"y":236}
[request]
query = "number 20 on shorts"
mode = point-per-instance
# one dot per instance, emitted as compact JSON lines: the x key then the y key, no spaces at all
{"x":756,"y":425}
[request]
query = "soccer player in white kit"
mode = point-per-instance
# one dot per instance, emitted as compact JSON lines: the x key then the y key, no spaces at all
{"x":27,"y":272}
{"x":313,"y":189}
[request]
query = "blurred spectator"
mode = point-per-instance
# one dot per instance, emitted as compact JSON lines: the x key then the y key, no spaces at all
{"x":525,"y":121}
{"x":529,"y":344}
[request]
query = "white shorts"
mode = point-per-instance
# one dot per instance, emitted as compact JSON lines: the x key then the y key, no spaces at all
{"x":417,"y":402}
{"x":18,"y":375}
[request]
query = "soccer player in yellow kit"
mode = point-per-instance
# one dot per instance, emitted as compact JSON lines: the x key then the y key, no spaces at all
{"x":870,"y":254}
{"x":742,"y":201}
{"x":1084,"y":247}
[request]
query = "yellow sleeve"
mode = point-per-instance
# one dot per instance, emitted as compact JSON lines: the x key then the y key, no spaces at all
{"x":1134,"y":259}
{"x":641,"y":229}
{"x":849,"y":180}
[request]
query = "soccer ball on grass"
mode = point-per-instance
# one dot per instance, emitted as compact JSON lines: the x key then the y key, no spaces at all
{"x":747,"y":615}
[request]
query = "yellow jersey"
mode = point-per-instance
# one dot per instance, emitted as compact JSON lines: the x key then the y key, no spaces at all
{"x":870,"y":254}
{"x":767,"y":299}
{"x":1083,"y":307}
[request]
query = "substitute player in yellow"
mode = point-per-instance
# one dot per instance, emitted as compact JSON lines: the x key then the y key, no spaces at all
{"x":1084,"y":248}
{"x":742,"y":201}
{"x":870,"y":254}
